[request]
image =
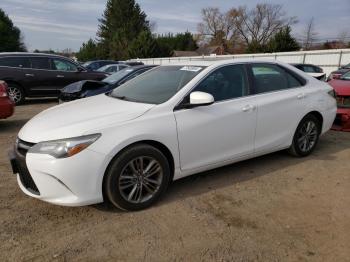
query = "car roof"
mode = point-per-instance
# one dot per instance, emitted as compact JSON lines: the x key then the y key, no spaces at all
{"x":20,"y":54}
{"x":208,"y":63}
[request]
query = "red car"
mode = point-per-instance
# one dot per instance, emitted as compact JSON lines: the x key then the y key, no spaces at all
{"x":342,"y":90}
{"x":7,"y":106}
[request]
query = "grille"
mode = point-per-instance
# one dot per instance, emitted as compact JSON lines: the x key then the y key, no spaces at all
{"x":24,"y":175}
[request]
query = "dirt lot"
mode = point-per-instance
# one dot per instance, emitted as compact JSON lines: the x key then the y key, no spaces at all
{"x":274,"y":208}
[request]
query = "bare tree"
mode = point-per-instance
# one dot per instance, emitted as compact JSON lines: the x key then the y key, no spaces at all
{"x":310,"y":35}
{"x":218,"y":27}
{"x":259,"y":24}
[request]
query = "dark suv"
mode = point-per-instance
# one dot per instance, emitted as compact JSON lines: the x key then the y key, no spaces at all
{"x":40,"y":75}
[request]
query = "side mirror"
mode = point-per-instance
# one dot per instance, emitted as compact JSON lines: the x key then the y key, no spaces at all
{"x":201,"y":99}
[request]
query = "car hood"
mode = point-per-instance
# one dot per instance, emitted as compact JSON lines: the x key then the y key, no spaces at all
{"x":83,"y":85}
{"x":79,"y":117}
{"x":341,"y":87}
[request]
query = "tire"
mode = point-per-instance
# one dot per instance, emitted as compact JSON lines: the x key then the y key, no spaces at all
{"x":306,"y":136}
{"x":128,"y":186}
{"x":16,"y":93}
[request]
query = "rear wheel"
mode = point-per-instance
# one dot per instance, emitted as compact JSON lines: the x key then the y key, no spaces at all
{"x":306,"y":136}
{"x":137,"y":178}
{"x":16,"y":93}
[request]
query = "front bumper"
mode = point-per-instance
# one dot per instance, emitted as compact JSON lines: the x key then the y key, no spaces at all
{"x":342,"y":120}
{"x":74,"y":181}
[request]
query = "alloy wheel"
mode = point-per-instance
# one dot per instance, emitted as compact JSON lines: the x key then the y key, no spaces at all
{"x":140,"y":179}
{"x":15,"y":94}
{"x":307,"y":136}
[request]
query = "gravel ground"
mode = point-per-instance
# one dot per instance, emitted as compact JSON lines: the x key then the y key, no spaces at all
{"x":272,"y":208}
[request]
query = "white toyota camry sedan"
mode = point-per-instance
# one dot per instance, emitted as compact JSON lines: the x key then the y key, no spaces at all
{"x":127,"y":146}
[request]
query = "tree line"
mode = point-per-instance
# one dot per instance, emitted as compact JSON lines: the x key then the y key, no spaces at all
{"x":125,"y":32}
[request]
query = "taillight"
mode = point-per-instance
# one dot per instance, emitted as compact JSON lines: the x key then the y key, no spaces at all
{"x":3,"y":90}
{"x":332,"y":93}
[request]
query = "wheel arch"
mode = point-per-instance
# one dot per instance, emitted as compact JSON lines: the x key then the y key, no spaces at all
{"x":11,"y":81}
{"x":318,"y":115}
{"x":156,"y":144}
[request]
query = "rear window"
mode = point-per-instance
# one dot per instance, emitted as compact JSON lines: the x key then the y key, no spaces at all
{"x":21,"y":62}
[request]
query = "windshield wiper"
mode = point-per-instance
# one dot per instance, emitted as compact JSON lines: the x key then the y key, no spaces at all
{"x":119,"y":97}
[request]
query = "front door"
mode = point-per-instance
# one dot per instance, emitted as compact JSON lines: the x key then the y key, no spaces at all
{"x":220,"y":132}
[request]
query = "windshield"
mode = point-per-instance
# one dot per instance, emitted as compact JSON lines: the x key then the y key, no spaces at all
{"x":158,"y":85}
{"x":116,"y":77}
{"x":346,"y":76}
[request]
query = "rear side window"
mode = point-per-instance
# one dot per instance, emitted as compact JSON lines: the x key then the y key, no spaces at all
{"x":269,"y":78}
{"x":40,"y":63}
{"x":21,"y":62}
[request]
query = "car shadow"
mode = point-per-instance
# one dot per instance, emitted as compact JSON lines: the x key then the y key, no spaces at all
{"x":33,"y":101}
{"x":11,"y":125}
{"x":227,"y":176}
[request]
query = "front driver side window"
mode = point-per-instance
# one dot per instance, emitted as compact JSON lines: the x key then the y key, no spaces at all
{"x":62,"y":65}
{"x":225,"y":83}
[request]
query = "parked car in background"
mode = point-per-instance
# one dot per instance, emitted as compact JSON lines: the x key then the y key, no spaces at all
{"x":341,"y":71}
{"x":342,"y":89}
{"x":110,"y":69}
{"x":87,"y":88}
{"x":131,"y":63}
{"x":312,"y":70}
{"x":170,"y":122}
{"x":40,"y":75}
{"x":94,"y":65}
{"x":6,"y":104}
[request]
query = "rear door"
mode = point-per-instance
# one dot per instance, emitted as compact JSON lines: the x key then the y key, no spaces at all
{"x":40,"y":78}
{"x":280,"y":102}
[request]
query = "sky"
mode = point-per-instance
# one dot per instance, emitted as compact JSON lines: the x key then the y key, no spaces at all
{"x":56,"y":25}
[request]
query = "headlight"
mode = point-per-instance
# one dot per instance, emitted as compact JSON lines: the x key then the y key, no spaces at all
{"x":64,"y":148}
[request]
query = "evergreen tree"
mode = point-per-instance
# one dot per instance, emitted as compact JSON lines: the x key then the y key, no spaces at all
{"x":10,"y":35}
{"x":283,"y":41}
{"x":121,"y":23}
{"x":144,"y":46}
{"x":88,"y":51}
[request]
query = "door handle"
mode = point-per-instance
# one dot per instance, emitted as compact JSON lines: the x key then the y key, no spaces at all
{"x":248,"y":108}
{"x":60,"y":76}
{"x":301,"y":96}
{"x":29,"y":75}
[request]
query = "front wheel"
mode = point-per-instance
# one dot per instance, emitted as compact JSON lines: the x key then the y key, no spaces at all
{"x":306,"y":136}
{"x":137,"y":178}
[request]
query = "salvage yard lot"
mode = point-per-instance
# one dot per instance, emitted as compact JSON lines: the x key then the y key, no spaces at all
{"x":273,"y":208}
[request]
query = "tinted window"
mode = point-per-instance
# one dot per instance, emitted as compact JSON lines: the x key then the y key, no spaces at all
{"x":14,"y":62}
{"x":311,"y":69}
{"x":268,"y":78}
{"x":62,"y":65}
{"x":40,"y":63}
{"x":158,"y":85}
{"x":225,"y":83}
